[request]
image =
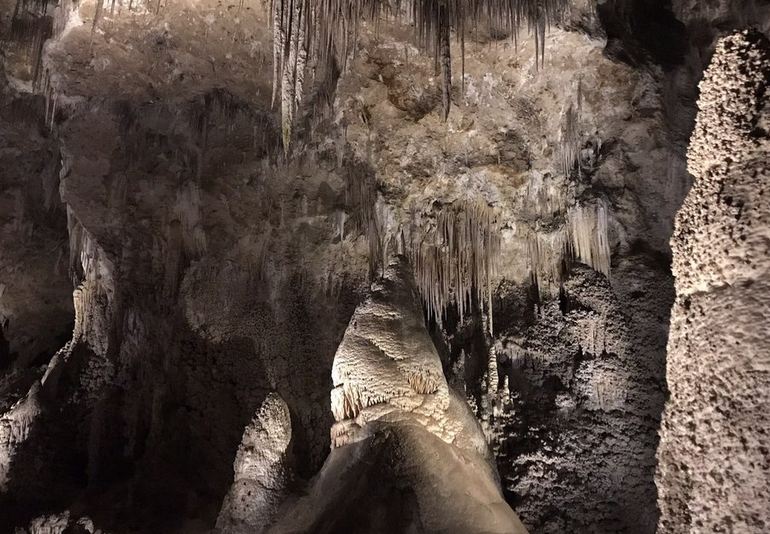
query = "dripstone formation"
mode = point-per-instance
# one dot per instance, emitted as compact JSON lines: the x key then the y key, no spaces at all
{"x":367,"y":266}
{"x":714,"y":459}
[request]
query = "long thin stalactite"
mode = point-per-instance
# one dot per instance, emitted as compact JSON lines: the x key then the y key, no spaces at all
{"x":322,"y":33}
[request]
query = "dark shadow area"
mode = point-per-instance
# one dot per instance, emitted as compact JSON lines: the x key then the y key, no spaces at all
{"x":639,"y":31}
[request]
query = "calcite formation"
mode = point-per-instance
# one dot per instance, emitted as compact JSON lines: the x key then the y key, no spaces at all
{"x":713,"y":457}
{"x":399,"y":429}
{"x":263,"y":471}
{"x":387,"y":368}
{"x":196,"y":198}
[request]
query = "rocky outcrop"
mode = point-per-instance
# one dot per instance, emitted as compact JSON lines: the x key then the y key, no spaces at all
{"x":262,"y":471}
{"x":713,"y":458}
{"x":387,"y":369}
{"x":408,"y":455}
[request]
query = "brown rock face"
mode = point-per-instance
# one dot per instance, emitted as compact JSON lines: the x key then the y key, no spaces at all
{"x":713,"y":458}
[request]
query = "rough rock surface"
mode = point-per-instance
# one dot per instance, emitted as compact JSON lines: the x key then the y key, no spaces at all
{"x":35,"y":289}
{"x":556,"y":363}
{"x":209,"y":270}
{"x":202,"y":276}
{"x":408,"y":455}
{"x":262,"y":471}
{"x":584,"y":375}
{"x":387,"y":369}
{"x":713,"y":459}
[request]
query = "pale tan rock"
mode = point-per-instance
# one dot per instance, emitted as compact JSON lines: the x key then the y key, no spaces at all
{"x":713,"y":458}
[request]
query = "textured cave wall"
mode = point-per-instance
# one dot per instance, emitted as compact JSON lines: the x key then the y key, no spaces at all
{"x":580,"y":371}
{"x":206,"y":273}
{"x":210,"y":274}
{"x":713,"y":457}
{"x":586,"y":391}
{"x":35,"y":290}
{"x":210,"y":271}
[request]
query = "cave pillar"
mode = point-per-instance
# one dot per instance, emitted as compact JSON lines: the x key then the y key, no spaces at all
{"x":713,"y":460}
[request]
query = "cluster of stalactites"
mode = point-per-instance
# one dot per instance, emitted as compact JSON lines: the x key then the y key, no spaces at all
{"x":31,"y":26}
{"x":319,"y":34}
{"x":547,"y":257}
{"x":292,"y":28}
{"x":569,"y":134}
{"x":589,"y":241}
{"x":584,"y":237}
{"x":455,"y":260}
{"x":91,"y":272}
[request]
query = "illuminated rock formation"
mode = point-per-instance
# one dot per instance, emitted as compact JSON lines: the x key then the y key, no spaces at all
{"x":262,"y":471}
{"x":408,"y":455}
{"x":713,"y":457}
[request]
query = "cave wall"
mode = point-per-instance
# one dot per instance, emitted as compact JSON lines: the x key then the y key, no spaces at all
{"x":209,"y":269}
{"x":200,"y":265}
{"x":35,"y":289}
{"x":574,"y":411}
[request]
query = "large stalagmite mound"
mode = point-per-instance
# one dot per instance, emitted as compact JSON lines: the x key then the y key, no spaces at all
{"x":408,"y":454}
{"x":713,"y":457}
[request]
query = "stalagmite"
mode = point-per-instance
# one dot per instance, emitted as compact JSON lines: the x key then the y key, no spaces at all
{"x":399,"y":425}
{"x":262,"y":469}
{"x":713,"y":457}
{"x":440,"y":246}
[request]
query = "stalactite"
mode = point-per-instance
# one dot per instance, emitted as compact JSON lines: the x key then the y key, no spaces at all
{"x":288,"y":76}
{"x":206,"y":113}
{"x":97,"y":16}
{"x":569,"y":135}
{"x":594,"y":339}
{"x":360,"y":194}
{"x":292,"y":31}
{"x":187,"y":209}
{"x":326,"y":30}
{"x":446,"y":60}
{"x":31,"y":26}
{"x":340,"y":217}
{"x":92,"y":274}
{"x":546,"y":253}
{"x":546,"y":195}
{"x":455,"y":259}
{"x":584,"y":237}
{"x":589,"y":240}
{"x":279,"y":38}
{"x":609,"y":391}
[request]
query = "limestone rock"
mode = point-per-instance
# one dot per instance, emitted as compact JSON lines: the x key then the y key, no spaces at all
{"x":713,"y":458}
{"x":262,"y":471}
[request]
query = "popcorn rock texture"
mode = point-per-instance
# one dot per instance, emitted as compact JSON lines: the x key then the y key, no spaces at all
{"x":262,"y":471}
{"x":714,"y":456}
